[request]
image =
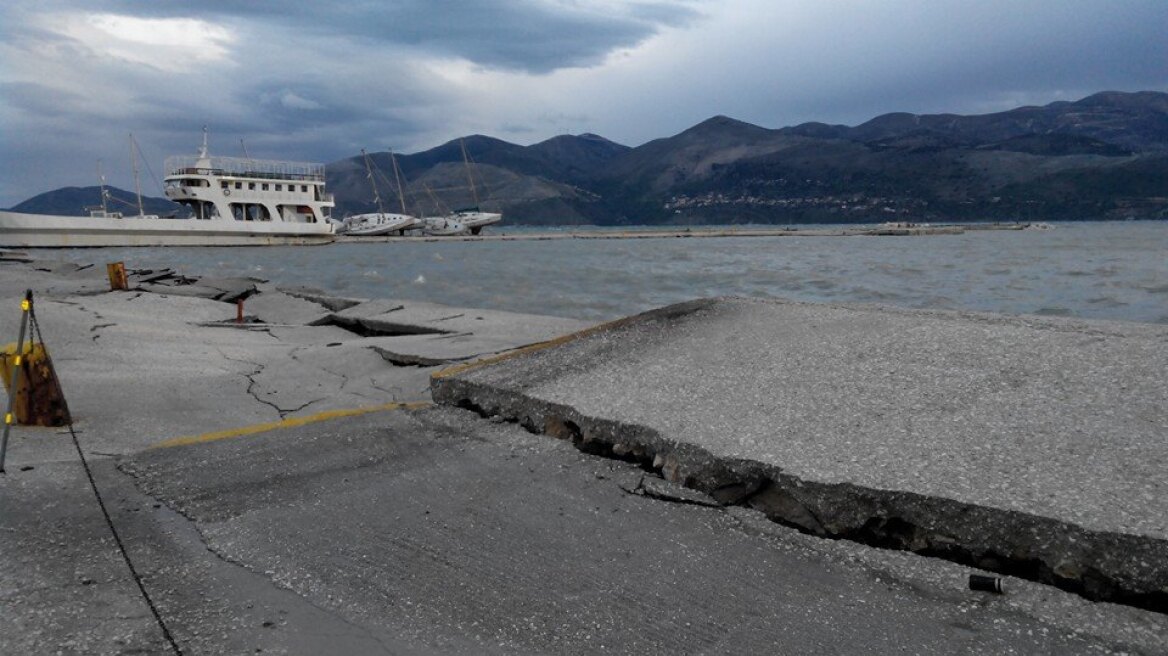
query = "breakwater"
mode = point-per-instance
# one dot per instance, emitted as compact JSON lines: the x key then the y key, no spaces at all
{"x":901,"y":230}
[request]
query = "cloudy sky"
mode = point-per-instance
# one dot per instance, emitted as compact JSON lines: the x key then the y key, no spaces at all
{"x":320,"y":80}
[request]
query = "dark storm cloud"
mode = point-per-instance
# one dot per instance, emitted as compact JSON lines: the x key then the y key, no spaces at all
{"x":535,"y":36}
{"x":40,"y":100}
{"x":321,"y":80}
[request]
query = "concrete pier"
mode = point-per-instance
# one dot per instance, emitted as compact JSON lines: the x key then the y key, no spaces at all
{"x":282,"y":484}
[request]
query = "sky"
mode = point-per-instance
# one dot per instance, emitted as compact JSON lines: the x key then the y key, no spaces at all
{"x":319,"y":81}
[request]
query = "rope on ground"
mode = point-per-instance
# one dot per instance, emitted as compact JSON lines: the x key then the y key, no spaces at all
{"x":122,"y":547}
{"x":36,"y":333}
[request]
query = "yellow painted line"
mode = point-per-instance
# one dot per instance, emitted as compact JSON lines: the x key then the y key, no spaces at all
{"x":532,"y":348}
{"x":284,"y":423}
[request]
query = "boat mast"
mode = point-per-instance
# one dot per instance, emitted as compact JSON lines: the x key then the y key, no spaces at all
{"x":397,"y":177}
{"x":369,"y":174}
{"x":433,"y":198}
{"x":469,"y":178}
{"x":137,"y":184}
{"x":203,"y":148}
{"x":104,"y":193}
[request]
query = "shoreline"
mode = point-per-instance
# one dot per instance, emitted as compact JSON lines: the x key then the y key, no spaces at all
{"x":914,"y":230}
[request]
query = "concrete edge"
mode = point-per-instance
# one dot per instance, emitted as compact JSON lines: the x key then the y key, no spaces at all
{"x":1100,"y":566}
{"x":669,"y":312}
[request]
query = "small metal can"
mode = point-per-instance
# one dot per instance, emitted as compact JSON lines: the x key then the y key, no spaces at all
{"x":985,"y":583}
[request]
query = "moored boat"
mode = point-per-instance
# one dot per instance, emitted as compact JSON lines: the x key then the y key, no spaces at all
{"x":231,"y":202}
{"x":442,"y":226}
{"x":474,"y":220}
{"x":379,"y":223}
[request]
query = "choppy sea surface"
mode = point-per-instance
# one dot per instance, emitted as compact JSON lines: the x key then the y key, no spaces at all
{"x":1103,"y":270}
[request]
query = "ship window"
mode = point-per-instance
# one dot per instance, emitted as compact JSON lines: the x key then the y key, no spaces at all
{"x":279,"y":187}
{"x":251,"y":185}
{"x":265,"y":187}
{"x":304,"y":188}
{"x":239,"y":185}
{"x":223,"y":184}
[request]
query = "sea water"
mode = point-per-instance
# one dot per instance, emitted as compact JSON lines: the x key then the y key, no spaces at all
{"x":1097,"y":270}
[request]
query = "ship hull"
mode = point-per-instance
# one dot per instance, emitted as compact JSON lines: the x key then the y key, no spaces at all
{"x":19,"y":230}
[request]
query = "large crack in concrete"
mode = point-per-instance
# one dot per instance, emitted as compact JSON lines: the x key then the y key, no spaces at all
{"x":375,"y":327}
{"x":252,"y":383}
{"x":409,"y":360}
{"x":1098,"y":565}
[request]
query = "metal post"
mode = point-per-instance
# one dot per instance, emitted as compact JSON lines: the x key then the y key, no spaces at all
{"x":9,"y":418}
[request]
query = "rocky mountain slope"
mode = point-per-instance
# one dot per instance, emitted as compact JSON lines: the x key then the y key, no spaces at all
{"x":1102,"y":157}
{"x":70,"y":201}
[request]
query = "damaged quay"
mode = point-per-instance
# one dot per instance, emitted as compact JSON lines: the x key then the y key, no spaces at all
{"x":292,"y":471}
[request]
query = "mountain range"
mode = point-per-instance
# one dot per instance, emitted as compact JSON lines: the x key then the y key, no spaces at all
{"x":1102,"y":157}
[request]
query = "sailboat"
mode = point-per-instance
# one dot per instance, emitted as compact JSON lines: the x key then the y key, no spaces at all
{"x":102,"y":211}
{"x":378,"y":223}
{"x":444,"y":225}
{"x":137,"y":184}
{"x":473,"y":218}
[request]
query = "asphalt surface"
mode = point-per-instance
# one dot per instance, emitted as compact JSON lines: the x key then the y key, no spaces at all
{"x":435,"y":532}
{"x":282,"y":524}
{"x":983,"y":434}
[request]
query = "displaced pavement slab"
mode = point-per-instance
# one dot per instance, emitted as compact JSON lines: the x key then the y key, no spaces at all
{"x":138,"y":367}
{"x":437,"y":532}
{"x":390,"y":317}
{"x":276,"y":307}
{"x":1012,"y":442}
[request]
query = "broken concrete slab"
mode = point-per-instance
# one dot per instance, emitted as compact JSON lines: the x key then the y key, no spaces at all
{"x":16,"y":276}
{"x":273,"y":306}
{"x":228,"y":290}
{"x":390,"y":317}
{"x":14,"y":256}
{"x":333,"y":303}
{"x":127,"y":360}
{"x":433,"y":350}
{"x":232,"y":289}
{"x":1021,"y":444}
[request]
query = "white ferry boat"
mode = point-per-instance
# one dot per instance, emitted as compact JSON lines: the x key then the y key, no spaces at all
{"x":231,"y":202}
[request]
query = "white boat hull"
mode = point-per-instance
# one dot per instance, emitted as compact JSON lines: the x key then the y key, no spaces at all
{"x":376,"y":225}
{"x":477,"y":220}
{"x":19,"y":230}
{"x":441,"y":226}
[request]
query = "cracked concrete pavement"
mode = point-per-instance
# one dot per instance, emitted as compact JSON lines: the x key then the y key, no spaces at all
{"x":434,"y":532}
{"x":183,"y":356}
{"x":430,"y":531}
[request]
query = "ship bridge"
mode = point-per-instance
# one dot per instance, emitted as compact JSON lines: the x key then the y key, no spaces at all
{"x":244,"y":168}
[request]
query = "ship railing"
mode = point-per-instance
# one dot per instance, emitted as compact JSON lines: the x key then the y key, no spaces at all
{"x":244,"y":168}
